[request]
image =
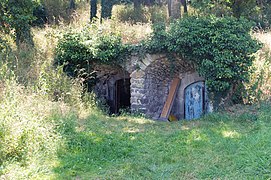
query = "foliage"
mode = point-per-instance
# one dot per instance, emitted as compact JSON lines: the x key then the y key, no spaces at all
{"x":17,"y":16}
{"x":259,"y":86}
{"x":27,"y":137}
{"x":80,"y":51}
{"x":152,"y":14}
{"x":257,"y":11}
{"x":4,"y":49}
{"x":50,"y":139}
{"x":56,"y":10}
{"x":221,"y":48}
{"x":41,"y":16}
{"x":127,"y":14}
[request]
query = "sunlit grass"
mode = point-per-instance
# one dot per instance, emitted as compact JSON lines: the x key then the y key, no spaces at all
{"x":67,"y":138}
{"x":220,"y":146}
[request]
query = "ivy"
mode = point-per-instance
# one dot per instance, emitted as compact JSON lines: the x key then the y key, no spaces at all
{"x":221,"y":49}
{"x":78,"y":52}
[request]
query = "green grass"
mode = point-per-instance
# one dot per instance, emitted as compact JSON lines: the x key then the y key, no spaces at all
{"x":219,"y":146}
{"x":44,"y":139}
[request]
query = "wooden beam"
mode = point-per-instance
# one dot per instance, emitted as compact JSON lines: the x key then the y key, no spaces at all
{"x":170,"y":99}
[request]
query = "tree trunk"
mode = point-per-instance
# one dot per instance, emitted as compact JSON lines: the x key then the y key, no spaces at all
{"x":137,"y":4}
{"x":184,"y":3}
{"x":93,"y":9}
{"x":169,"y":8}
{"x":236,"y":8}
{"x":174,"y":7}
{"x":72,"y":4}
{"x":107,"y":6}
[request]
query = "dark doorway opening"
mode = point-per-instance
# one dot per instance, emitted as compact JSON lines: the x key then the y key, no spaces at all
{"x":122,"y":95}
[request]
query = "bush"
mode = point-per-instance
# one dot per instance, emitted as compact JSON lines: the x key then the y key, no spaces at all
{"x":126,"y":13}
{"x":221,"y":48}
{"x":78,"y":52}
{"x":56,"y":10}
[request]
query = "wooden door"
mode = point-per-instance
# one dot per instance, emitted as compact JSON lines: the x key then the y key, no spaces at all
{"x":194,"y":100}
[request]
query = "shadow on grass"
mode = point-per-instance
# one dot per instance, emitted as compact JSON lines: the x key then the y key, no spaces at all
{"x":91,"y":150}
{"x":215,"y":147}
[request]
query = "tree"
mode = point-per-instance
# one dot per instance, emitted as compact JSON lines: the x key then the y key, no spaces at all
{"x":72,"y":4}
{"x":184,"y":3}
{"x":16,"y":16}
{"x":93,"y":9}
{"x":107,"y":6}
{"x":258,"y":11}
{"x":174,"y":9}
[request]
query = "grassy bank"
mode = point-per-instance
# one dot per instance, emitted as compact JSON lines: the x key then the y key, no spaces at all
{"x":219,"y":146}
{"x":49,"y":129}
{"x":49,"y":140}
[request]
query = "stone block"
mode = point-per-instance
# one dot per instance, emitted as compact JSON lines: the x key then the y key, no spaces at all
{"x":137,"y":74}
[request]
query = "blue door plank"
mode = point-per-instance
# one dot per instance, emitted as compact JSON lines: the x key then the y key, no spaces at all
{"x":194,"y":100}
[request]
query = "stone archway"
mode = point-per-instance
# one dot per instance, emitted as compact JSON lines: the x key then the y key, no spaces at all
{"x":150,"y":83}
{"x":187,"y":79}
{"x":113,"y":87}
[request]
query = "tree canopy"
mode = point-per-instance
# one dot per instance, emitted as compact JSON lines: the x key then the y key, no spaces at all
{"x":17,"y":15}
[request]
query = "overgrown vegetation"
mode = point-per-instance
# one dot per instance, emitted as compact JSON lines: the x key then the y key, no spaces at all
{"x":221,"y":48}
{"x":78,"y":52}
{"x":256,"y":11}
{"x":49,"y":129}
{"x":220,"y":45}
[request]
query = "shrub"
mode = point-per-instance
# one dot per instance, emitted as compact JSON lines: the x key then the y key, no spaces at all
{"x":78,"y":52}
{"x":221,"y":48}
{"x":126,"y":13}
{"x":56,"y":10}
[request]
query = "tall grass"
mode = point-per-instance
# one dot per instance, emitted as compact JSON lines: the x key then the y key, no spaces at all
{"x":50,"y":130}
{"x":259,"y":86}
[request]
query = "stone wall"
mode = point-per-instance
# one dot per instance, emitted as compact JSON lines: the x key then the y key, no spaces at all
{"x":105,"y":86}
{"x":150,"y":83}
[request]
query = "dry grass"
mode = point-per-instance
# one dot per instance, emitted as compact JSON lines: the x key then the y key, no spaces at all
{"x":261,"y":77}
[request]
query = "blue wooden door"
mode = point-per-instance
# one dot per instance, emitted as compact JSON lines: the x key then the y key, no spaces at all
{"x":194,"y":100}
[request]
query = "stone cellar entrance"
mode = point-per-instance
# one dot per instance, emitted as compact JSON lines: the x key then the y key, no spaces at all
{"x":146,"y":85}
{"x":122,"y":95}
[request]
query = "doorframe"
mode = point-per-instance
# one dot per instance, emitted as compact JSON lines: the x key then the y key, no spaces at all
{"x":186,"y":79}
